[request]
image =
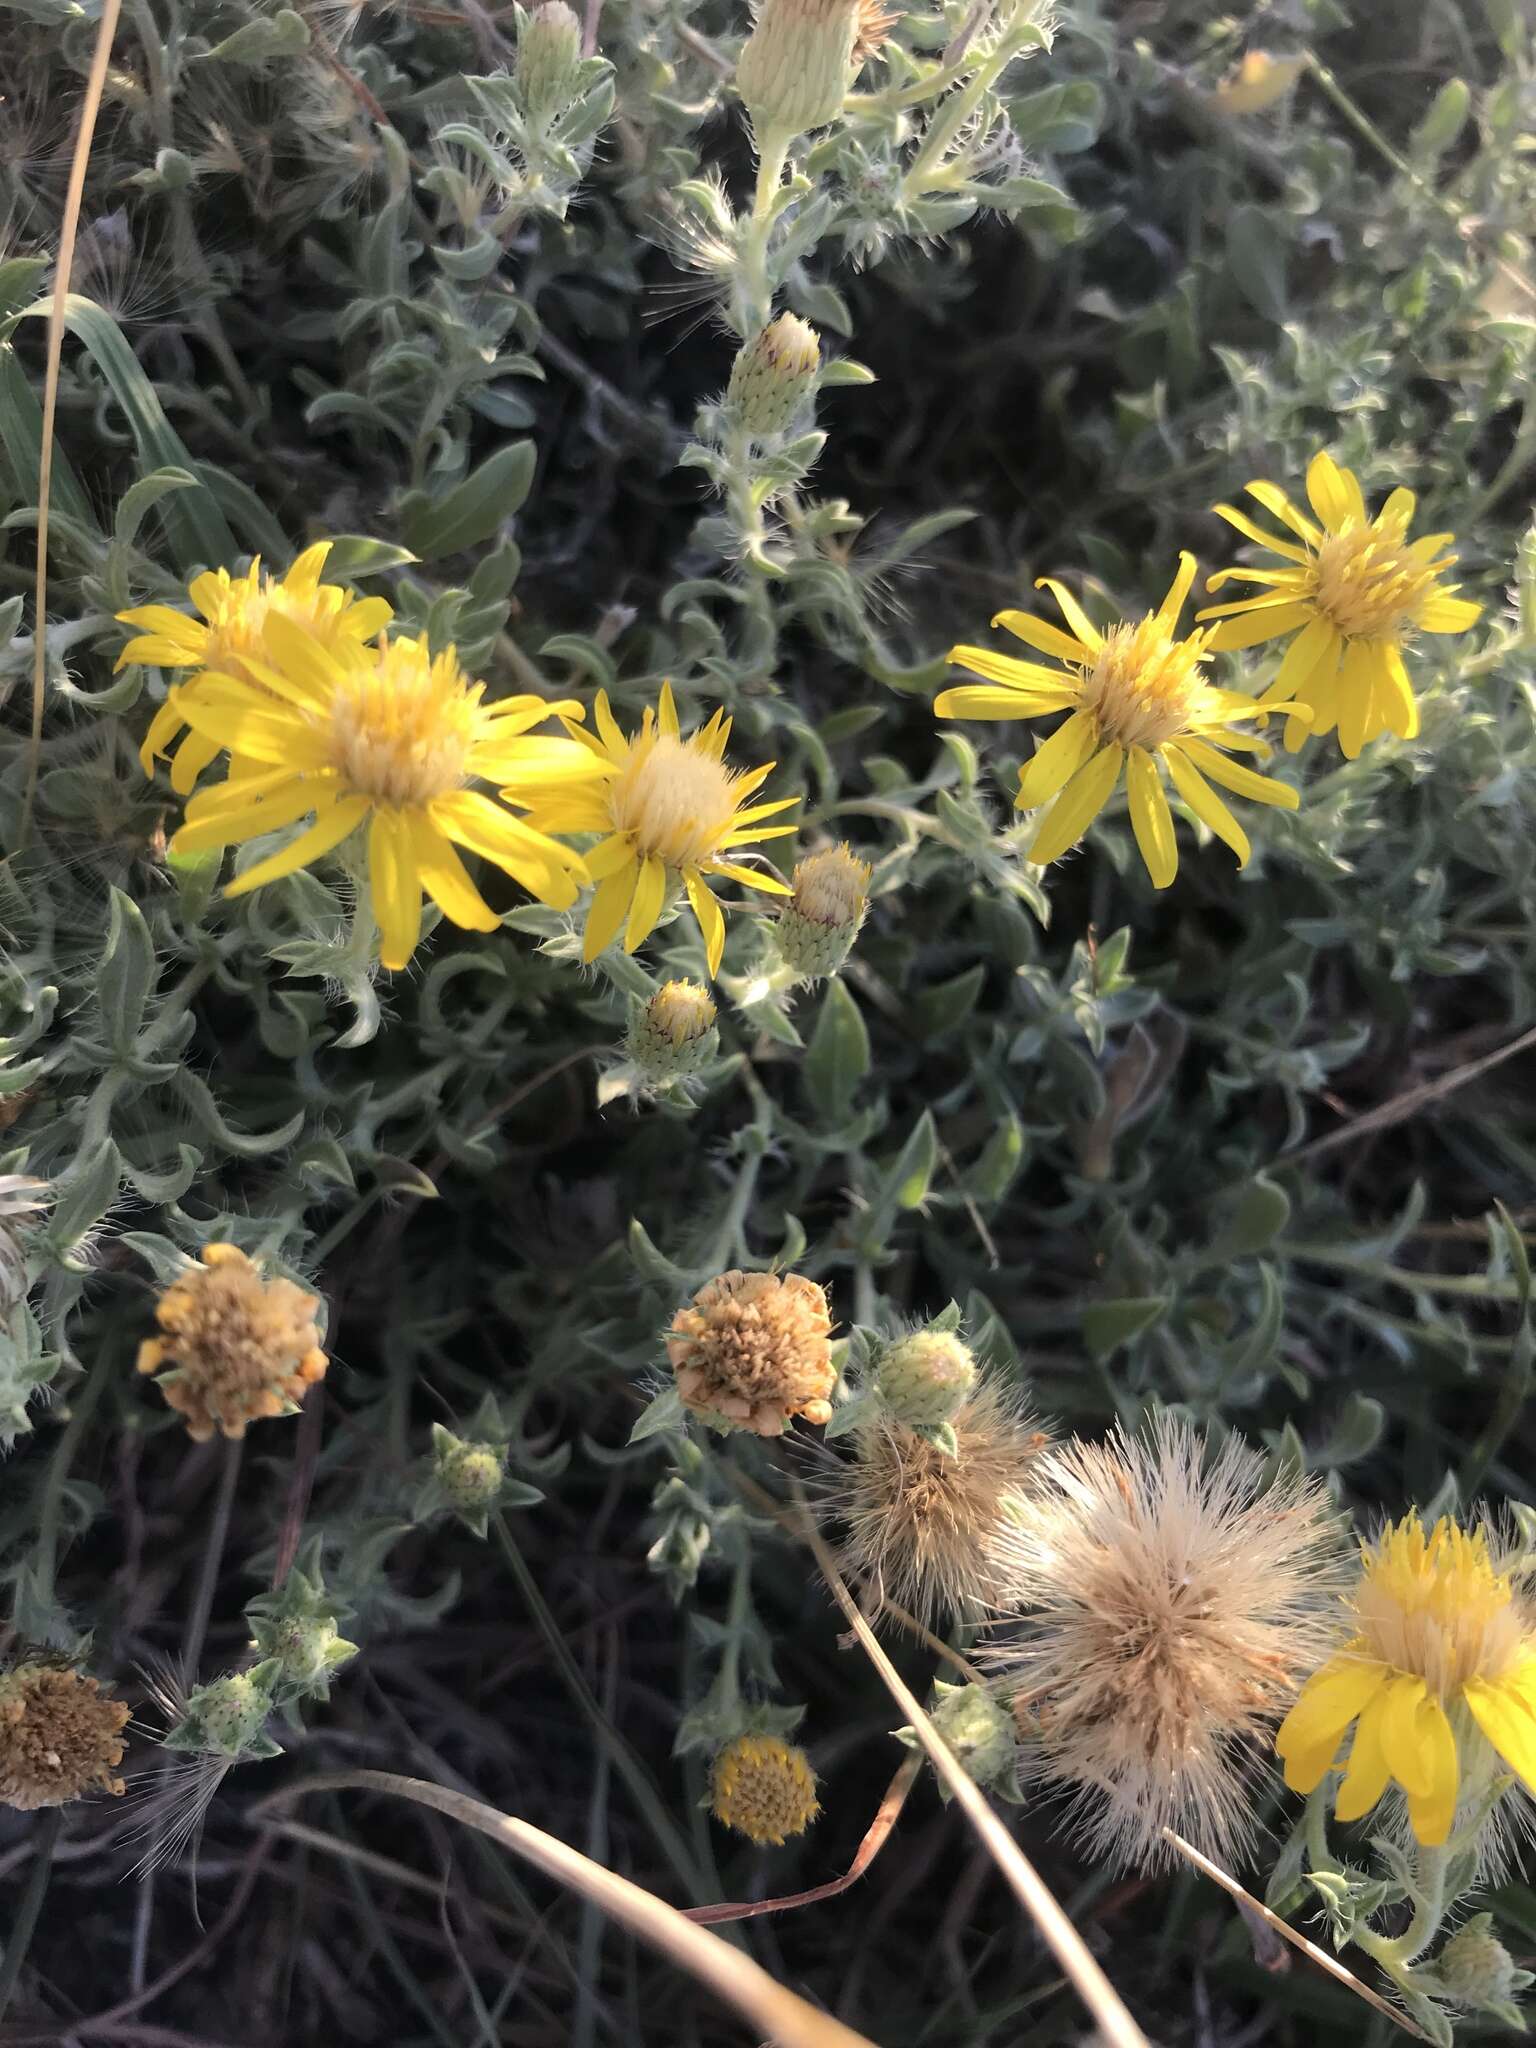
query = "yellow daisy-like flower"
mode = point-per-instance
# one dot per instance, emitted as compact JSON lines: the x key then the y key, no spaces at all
{"x":1139,"y":703}
{"x":668,"y":808}
{"x":1354,"y":592}
{"x":235,"y":610}
{"x":390,"y":736}
{"x":1439,"y":1681}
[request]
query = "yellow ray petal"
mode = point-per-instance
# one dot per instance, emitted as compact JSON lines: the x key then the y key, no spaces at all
{"x":1367,"y":1772}
{"x":1315,"y":647}
{"x":1398,"y":510}
{"x":1082,"y":626}
{"x":329,"y":829}
{"x":1504,"y":1715}
{"x":1394,"y":692}
{"x":1280,"y":507}
{"x":1057,"y":760}
{"x":396,"y":888}
{"x":1077,"y":806}
{"x":711,"y":921}
{"x":1448,"y":614}
{"x":1256,"y":623}
{"x":647,"y":903}
{"x":666,"y":712}
{"x":968,"y":700}
{"x":1178,"y":590}
{"x":1329,"y":1701}
{"x":609,"y":855}
{"x":227,"y":827}
{"x":750,"y":878}
{"x":1334,"y":493}
{"x":194,"y":754}
{"x":1045,"y":638}
{"x":609,"y":908}
{"x":1407,"y":1758}
{"x":1251,"y":530}
{"x":1431,"y":1816}
{"x":1357,"y":689}
{"x":1209,"y":808}
{"x":445,"y":877}
{"x":1232,"y":775}
{"x":1151,"y":819}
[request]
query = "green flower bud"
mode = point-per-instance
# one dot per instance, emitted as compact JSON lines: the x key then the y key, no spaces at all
{"x":471,"y":1474}
{"x":819,"y":924}
{"x":926,"y":1378}
{"x":548,"y":61}
{"x":674,"y":1035}
{"x":773,"y":376}
{"x":1475,"y":1968}
{"x":306,"y":1646}
{"x":797,"y":65}
{"x":230,"y":1713}
{"x":979,"y":1730}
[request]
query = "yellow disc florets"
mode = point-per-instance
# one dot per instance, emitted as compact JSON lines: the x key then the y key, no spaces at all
{"x":233,"y":1347}
{"x":1369,"y":581}
{"x":753,"y":1351}
{"x":1435,"y":1605}
{"x":681,"y":1011}
{"x":1143,"y":684}
{"x":676,"y":798}
{"x":763,"y":1788}
{"x":401,"y":724}
{"x":832,"y":887}
{"x":59,"y":1737}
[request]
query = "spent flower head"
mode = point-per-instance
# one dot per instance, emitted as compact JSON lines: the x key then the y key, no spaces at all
{"x":233,"y":1347}
{"x":752,"y":1351}
{"x":829,"y":900}
{"x":669,"y":811}
{"x":60,"y":1736}
{"x":1139,"y":706}
{"x":1354,"y":592}
{"x":1437,"y":1680}
{"x":764,"y":1788}
{"x":1164,"y":1606}
{"x":389,"y":737}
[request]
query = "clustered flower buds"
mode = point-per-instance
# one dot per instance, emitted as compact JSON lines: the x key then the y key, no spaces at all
{"x":773,"y":376}
{"x":764,"y":1788}
{"x":548,"y":61}
{"x":60,"y":1736}
{"x":797,"y":65}
{"x":753,"y":1351}
{"x":674,"y":1035}
{"x":819,"y":924}
{"x":926,"y":1378}
{"x":233,"y":1347}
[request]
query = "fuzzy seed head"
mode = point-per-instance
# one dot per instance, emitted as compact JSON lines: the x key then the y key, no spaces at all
{"x":819,"y":924}
{"x":773,"y":376}
{"x":233,"y":1347}
{"x":921,"y":1526}
{"x":674,"y":1035}
{"x":548,"y":60}
{"x":753,"y":1351}
{"x":1475,"y":1968}
{"x":763,"y":1788}
{"x":926,"y":1378}
{"x":60,"y":1737}
{"x":797,"y":65}
{"x":1165,"y":1611}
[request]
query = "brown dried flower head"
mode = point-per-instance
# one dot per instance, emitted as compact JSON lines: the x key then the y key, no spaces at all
{"x":233,"y":1347}
{"x":922,"y":1526}
{"x":60,"y":1737}
{"x":874,"y":26}
{"x":1166,"y":1607}
{"x":754,"y":1350}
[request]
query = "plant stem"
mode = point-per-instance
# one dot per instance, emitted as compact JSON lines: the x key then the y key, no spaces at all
{"x":1315,"y":1823}
{"x":757,"y":292}
{"x":46,"y":1556}
{"x":25,"y":1923}
{"x":201,"y":1610}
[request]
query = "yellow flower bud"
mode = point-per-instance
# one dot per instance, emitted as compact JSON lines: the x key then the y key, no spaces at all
{"x":548,"y":57}
{"x":674,"y":1035}
{"x":797,"y":65}
{"x":773,"y":376}
{"x":819,"y":924}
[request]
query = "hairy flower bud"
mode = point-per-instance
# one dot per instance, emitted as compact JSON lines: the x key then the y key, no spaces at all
{"x":763,"y":1788}
{"x":819,"y":924}
{"x":980,"y":1730}
{"x":795,"y":70}
{"x":233,"y":1347}
{"x":1475,"y":1968}
{"x":773,"y":376}
{"x":674,"y":1035}
{"x":926,"y":1378}
{"x":548,"y":60}
{"x":470,"y":1473}
{"x":59,"y":1737}
{"x":230,"y":1714}
{"x":753,"y":1351}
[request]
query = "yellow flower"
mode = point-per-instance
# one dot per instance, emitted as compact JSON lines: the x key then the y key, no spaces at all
{"x":389,"y":735}
{"x":1439,"y":1681}
{"x":1137,"y":699}
{"x":764,"y":1789}
{"x":235,"y":610}
{"x":668,"y":808}
{"x":1357,"y":588}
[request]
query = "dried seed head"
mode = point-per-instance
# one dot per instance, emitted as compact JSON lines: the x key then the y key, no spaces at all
{"x":233,"y":1347}
{"x":926,"y":1378}
{"x":773,"y":376}
{"x":922,"y":1523}
{"x":874,"y":24}
{"x":819,"y":924}
{"x":763,"y":1788}
{"x":797,"y":66}
{"x":1166,"y":1609}
{"x":59,"y":1737}
{"x":548,"y":61}
{"x":674,"y":1035}
{"x":753,"y":1351}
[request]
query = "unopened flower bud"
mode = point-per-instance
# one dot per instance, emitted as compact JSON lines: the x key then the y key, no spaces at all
{"x":674,"y":1035}
{"x":819,"y":924}
{"x":548,"y":60}
{"x":979,"y":1729}
{"x":231,"y":1712}
{"x":795,"y":70}
{"x":471,"y":1474}
{"x":926,"y":1378}
{"x":764,"y":1788}
{"x":305,"y":1645}
{"x":773,"y":376}
{"x":1475,"y":1968}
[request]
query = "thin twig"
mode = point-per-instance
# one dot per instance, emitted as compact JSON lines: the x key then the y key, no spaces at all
{"x":1283,"y":1928}
{"x":874,"y":1841}
{"x":1411,"y":1101}
{"x":782,"y":2014}
{"x":1070,"y":1950}
{"x":90,"y":106}
{"x":19,"y":1939}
